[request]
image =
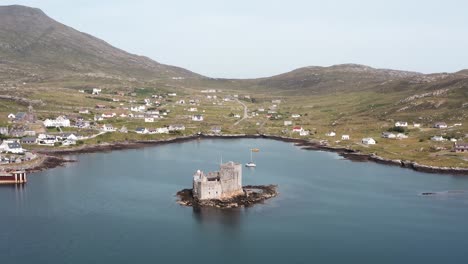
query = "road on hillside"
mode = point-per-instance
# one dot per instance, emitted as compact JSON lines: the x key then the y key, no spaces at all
{"x":245,"y":112}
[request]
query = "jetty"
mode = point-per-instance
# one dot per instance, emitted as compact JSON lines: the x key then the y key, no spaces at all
{"x":13,"y":177}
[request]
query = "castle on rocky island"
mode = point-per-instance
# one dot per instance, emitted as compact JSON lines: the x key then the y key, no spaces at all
{"x":223,"y":184}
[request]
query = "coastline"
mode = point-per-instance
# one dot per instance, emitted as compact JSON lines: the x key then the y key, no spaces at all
{"x":53,"y":157}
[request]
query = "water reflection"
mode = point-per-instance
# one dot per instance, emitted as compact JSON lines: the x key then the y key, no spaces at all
{"x":228,"y":218}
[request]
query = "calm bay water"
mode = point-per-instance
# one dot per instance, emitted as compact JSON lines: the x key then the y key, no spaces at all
{"x":120,"y":207}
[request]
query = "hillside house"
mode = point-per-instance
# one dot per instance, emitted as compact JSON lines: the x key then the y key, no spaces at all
{"x":108,"y":115}
{"x":216,"y":130}
{"x":17,"y":132}
{"x":345,"y":137}
{"x":401,"y":136}
{"x":83,"y":111}
{"x":192,"y":109}
{"x":388,"y":135}
{"x":11,"y":116}
{"x":304,"y":133}
{"x":416,"y":125}
{"x":460,"y":147}
{"x":96,"y":91}
{"x":288,"y":123}
{"x":330,"y":134}
{"x":401,"y":124}
{"x":440,"y":125}
{"x":141,"y":130}
{"x":295,"y":115}
{"x":149,"y":119}
{"x":108,"y":128}
{"x":176,"y":127}
{"x":297,"y":129}
{"x":61,"y":121}
{"x":368,"y":141}
{"x":100,"y":106}
{"x":197,"y":118}
{"x":438,"y":138}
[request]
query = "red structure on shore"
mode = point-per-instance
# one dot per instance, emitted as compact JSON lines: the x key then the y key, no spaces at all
{"x":13,"y":177}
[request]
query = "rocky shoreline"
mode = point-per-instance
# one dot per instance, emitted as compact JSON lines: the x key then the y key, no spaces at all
{"x":305,"y":144}
{"x":253,"y":194}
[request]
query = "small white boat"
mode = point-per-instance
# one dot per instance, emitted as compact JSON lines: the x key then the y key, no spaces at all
{"x":251,"y":164}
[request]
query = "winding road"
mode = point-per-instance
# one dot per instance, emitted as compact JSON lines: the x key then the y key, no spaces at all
{"x":245,"y":112}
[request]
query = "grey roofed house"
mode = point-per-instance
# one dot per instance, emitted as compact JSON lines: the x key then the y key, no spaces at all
{"x":14,"y":145}
{"x":216,"y":129}
{"x":19,"y":116}
{"x":140,"y":129}
{"x":17,"y":132}
{"x":28,"y":140}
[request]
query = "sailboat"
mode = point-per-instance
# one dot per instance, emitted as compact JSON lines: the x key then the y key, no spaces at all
{"x":251,"y":164}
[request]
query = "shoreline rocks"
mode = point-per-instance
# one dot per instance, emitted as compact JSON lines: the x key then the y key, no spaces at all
{"x":253,"y":194}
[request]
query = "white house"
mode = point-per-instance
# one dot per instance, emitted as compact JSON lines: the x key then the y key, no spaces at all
{"x":440,"y":125}
{"x":140,"y":108}
{"x":457,"y":124}
{"x":108,"y":115}
{"x":11,"y":146}
{"x":197,"y":118}
{"x":295,"y":115}
{"x":330,"y":134}
{"x":416,"y":125}
{"x":11,"y":116}
{"x":345,"y":137}
{"x":304,"y":133}
{"x":108,"y":128}
{"x":437,"y":138}
{"x":388,"y":135}
{"x":368,"y":141}
{"x":176,"y":127}
{"x":162,"y":130}
{"x":288,"y":123}
{"x":83,"y":111}
{"x":96,"y":91}
{"x":237,"y":116}
{"x":149,"y":119}
{"x":192,"y":109}
{"x":141,"y":130}
{"x":98,"y":118}
{"x":401,"y":124}
{"x":60,"y":121}
{"x":261,"y":109}
{"x":401,"y":136}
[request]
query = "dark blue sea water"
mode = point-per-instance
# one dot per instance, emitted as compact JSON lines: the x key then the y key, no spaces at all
{"x":120,"y":207}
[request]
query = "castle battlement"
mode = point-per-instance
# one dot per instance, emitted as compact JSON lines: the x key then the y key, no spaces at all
{"x":222,"y":184}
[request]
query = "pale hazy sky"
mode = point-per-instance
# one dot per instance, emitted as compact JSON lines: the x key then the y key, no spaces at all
{"x":255,"y":38}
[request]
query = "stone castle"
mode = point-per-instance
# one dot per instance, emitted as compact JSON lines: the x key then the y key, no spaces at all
{"x":222,"y":184}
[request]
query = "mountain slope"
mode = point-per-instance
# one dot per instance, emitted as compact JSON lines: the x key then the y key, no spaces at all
{"x":30,"y":41}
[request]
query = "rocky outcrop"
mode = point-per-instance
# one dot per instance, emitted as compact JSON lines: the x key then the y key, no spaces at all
{"x":252,"y":195}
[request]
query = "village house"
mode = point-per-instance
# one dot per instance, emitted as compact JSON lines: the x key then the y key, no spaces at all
{"x":172,"y":94}
{"x":276,"y":101}
{"x":123,"y":129}
{"x":192,"y":109}
{"x":141,"y":130}
{"x":345,"y":137}
{"x":388,"y":135}
{"x":11,"y":116}
{"x":460,"y":147}
{"x":100,"y":106}
{"x":83,"y":111}
{"x":401,"y":136}
{"x":140,"y":108}
{"x":60,"y":121}
{"x":182,"y":101}
{"x":457,"y":124}
{"x":237,"y":116}
{"x":440,"y":125}
{"x":304,"y":133}
{"x":330,"y":134}
{"x":176,"y":127}
{"x":297,"y":129}
{"x":368,"y":141}
{"x":16,"y":132}
{"x":108,"y":115}
{"x":295,"y":115}
{"x":288,"y":123}
{"x":197,"y":118}
{"x":261,"y":110}
{"x":96,"y":91}
{"x":453,"y":140}
{"x":108,"y":128}
{"x":438,"y":138}
{"x":149,"y":120}
{"x":416,"y":125}
{"x":162,"y":130}
{"x":28,"y":140}
{"x":98,"y":118}
{"x":115,"y":100}
{"x":216,"y":130}
{"x":401,"y":124}
{"x":11,"y":146}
